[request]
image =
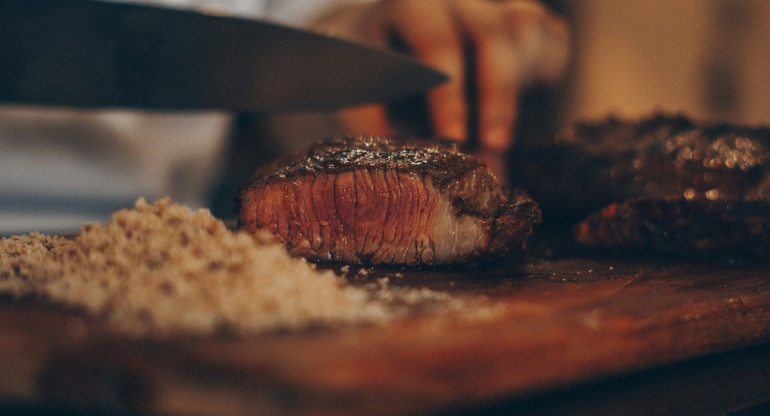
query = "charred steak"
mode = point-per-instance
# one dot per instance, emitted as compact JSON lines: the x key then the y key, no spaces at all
{"x":384,"y":201}
{"x":668,"y":183}
{"x":681,"y":226}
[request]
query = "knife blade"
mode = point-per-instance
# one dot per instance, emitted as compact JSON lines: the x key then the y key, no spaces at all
{"x":86,"y":53}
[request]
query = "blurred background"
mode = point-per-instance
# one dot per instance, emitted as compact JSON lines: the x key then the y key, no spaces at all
{"x":706,"y":58}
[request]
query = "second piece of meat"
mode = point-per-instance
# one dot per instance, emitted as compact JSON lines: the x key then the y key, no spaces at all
{"x":669,"y":184}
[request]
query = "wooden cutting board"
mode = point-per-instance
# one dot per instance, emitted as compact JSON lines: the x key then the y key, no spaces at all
{"x":563,"y":325}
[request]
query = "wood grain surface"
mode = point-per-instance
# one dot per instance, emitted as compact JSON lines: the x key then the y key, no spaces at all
{"x":561,"y":326}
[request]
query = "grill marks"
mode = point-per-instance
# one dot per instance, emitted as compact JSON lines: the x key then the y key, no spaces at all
{"x":385,"y":202}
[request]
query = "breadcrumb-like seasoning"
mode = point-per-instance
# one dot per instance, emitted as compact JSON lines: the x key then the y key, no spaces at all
{"x":162,"y":269}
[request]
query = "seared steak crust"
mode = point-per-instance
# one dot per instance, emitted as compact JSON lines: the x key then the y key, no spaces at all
{"x":440,"y":158}
{"x":659,"y":178}
{"x":594,"y":164}
{"x":385,"y":201}
{"x":681,"y":226}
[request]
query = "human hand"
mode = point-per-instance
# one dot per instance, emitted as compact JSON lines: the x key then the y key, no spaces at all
{"x":506,"y":45}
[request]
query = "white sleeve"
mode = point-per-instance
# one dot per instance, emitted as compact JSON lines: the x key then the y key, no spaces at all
{"x":302,"y":12}
{"x":290,"y":12}
{"x":243,"y":8}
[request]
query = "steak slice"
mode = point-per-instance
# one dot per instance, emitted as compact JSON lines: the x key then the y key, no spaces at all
{"x":668,"y":183}
{"x":677,"y":225}
{"x":370,"y":200}
{"x":595,"y":164}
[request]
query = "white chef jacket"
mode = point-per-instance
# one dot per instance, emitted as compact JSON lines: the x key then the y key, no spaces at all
{"x":63,"y":167}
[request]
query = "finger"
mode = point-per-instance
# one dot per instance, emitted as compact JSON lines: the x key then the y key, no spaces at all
{"x":428,"y":30}
{"x":448,"y":111}
{"x":368,"y":119}
{"x":498,"y":91}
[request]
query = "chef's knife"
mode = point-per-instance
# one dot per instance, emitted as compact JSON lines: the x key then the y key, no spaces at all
{"x":87,"y":53}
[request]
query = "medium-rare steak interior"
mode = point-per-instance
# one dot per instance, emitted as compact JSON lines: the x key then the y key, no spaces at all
{"x":668,"y":184}
{"x":373,"y":200}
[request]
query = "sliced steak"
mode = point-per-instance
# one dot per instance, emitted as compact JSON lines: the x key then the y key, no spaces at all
{"x":681,"y":226}
{"x":659,"y":178}
{"x":386,"y":201}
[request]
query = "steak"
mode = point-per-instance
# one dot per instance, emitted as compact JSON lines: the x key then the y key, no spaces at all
{"x":370,"y":200}
{"x":667,"y":183}
{"x":681,"y":226}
